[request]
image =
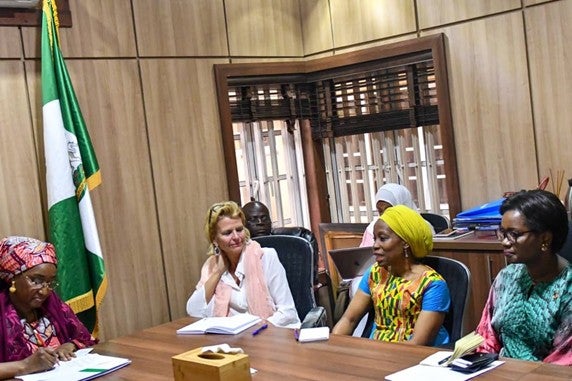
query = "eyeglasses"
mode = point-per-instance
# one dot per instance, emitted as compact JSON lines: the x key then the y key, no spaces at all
{"x":511,"y":235}
{"x":215,"y":206}
{"x":40,"y":283}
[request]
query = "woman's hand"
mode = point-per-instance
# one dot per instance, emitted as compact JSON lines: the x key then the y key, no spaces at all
{"x":65,"y":352}
{"x":42,"y":359}
{"x":220,"y":263}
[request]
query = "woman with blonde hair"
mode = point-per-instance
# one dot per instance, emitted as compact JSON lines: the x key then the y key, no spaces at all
{"x":239,"y":276}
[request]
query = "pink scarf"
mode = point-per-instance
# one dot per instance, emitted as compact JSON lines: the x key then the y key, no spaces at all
{"x":258,"y":297}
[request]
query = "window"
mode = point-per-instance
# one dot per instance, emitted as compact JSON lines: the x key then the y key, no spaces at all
{"x":268,"y":152}
{"x":360,"y":119}
{"x":383,"y":126}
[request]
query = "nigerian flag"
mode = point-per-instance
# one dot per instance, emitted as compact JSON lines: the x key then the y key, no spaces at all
{"x":71,"y":171}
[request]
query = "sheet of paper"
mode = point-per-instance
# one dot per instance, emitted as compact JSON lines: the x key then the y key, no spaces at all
{"x":427,"y":372}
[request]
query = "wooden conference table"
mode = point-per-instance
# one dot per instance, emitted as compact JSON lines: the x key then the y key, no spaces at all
{"x":277,"y":356}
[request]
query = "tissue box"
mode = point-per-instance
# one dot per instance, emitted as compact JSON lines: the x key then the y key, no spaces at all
{"x":196,"y":366}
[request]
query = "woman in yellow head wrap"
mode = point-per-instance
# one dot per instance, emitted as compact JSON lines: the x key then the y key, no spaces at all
{"x":410,"y":299}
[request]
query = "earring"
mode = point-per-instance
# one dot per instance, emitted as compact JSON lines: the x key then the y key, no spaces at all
{"x":544,"y":246}
{"x":406,"y":252}
{"x":12,"y":288}
{"x":216,"y":250}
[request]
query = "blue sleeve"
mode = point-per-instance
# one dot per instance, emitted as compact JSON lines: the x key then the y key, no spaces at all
{"x":436,"y":297}
{"x":363,"y":284}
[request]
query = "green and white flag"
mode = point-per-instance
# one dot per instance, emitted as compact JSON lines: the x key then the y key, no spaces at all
{"x":71,"y":172}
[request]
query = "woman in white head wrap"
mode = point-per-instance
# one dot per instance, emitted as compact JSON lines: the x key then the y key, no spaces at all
{"x":389,"y":194}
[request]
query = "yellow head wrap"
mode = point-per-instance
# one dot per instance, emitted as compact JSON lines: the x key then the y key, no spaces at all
{"x":410,"y":227}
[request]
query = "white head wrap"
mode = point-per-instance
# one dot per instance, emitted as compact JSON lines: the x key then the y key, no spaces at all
{"x":395,"y":194}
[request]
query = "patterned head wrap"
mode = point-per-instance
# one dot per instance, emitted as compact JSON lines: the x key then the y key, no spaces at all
{"x":19,"y":254}
{"x":395,"y":194}
{"x":410,"y":227}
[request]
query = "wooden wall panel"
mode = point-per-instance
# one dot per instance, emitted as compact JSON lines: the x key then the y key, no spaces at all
{"x":360,"y":21}
{"x":375,"y":43}
{"x":264,"y":28}
{"x":439,"y":12}
{"x":20,"y":197}
{"x":10,"y":46}
{"x":102,"y":28}
{"x":316,"y":26}
{"x":490,"y":102}
{"x":111,"y":100}
{"x":534,"y":2}
{"x":180,"y":28}
{"x":549,"y":34}
{"x":188,"y":164}
{"x":260,"y":60}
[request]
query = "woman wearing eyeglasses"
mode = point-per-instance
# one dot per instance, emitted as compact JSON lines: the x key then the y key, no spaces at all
{"x":37,"y":329}
{"x":239,"y":276}
{"x":528,"y":314}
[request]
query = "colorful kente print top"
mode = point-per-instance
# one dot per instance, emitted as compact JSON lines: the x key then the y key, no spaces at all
{"x":526,"y":321}
{"x":398,"y":302}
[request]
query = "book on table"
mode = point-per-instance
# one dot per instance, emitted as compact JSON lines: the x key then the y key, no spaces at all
{"x":451,"y":366}
{"x":85,"y":366}
{"x":224,"y":325}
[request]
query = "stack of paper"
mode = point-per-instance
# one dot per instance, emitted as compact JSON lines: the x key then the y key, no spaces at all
{"x":465,"y":345}
{"x":81,"y":368}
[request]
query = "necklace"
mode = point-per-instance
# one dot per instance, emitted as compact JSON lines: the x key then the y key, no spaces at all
{"x":38,"y":332}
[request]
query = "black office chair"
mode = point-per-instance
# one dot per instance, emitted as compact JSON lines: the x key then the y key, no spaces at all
{"x":438,"y":221}
{"x":458,"y":278}
{"x":297,"y":257}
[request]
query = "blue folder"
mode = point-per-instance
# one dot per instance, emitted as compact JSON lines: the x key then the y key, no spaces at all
{"x":484,"y":215}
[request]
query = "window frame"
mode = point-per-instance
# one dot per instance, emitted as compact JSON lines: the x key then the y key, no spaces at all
{"x":313,"y":152}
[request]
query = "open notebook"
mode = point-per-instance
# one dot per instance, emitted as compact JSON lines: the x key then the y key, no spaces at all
{"x":227,"y":325}
{"x":86,"y":366}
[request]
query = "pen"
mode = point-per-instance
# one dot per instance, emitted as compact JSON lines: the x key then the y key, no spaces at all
{"x":444,"y":360}
{"x":258,"y":330}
